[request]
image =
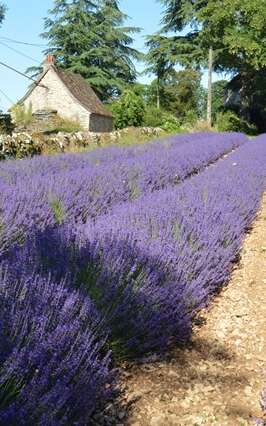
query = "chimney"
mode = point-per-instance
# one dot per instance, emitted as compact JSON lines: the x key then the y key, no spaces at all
{"x":49,"y":61}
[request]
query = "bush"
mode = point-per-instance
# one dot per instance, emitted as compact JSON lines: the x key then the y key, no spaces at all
{"x":21,"y":115}
{"x":155,"y":117}
{"x":170,"y":123}
{"x":229,"y":121}
{"x":63,"y":125}
{"x":53,"y":371}
{"x":6,"y":125}
{"x":128,"y":111}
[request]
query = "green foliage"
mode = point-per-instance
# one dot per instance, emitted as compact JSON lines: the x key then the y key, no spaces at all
{"x":6,"y":125}
{"x":22,"y":116}
{"x":2,"y":12}
{"x":170,"y":123}
{"x":230,"y":121}
{"x":247,"y":94}
{"x":58,"y":210}
{"x":153,"y":116}
{"x":128,"y":110}
{"x":9,"y":390}
{"x":63,"y":125}
{"x":236,"y":30}
{"x":158,"y":62}
{"x":165,"y":120}
{"x":218,"y":96}
{"x":89,"y":38}
{"x":181,"y":94}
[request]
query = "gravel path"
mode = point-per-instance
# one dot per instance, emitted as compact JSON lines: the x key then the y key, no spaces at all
{"x":218,"y":379}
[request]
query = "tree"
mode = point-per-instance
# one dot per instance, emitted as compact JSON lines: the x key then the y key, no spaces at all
{"x":88,"y":37}
{"x":180,"y":93}
{"x":246,"y":96}
{"x":2,"y":12}
{"x":158,"y":62}
{"x":235,"y":29}
{"x":219,"y":89}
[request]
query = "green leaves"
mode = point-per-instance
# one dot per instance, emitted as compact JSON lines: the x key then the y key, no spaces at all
{"x":9,"y":390}
{"x":89,"y":38}
{"x":129,"y":110}
{"x":2,"y":12}
{"x":235,"y":28}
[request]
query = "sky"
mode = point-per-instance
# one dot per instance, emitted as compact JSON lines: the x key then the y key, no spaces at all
{"x":24,"y":22}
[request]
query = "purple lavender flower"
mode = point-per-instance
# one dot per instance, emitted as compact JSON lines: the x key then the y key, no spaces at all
{"x":69,"y":189}
{"x":52,"y":367}
{"x":150,"y":265}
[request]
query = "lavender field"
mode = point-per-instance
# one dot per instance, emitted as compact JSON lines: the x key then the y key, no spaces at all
{"x":108,"y":256}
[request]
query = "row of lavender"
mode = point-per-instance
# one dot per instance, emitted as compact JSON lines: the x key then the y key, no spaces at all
{"x":12,"y":171}
{"x":65,"y":192}
{"x":143,"y":270}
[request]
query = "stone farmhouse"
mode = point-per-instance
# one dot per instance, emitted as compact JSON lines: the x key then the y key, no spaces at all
{"x":70,"y":96}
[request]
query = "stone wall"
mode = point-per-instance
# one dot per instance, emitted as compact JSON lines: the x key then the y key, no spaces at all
{"x":58,"y":98}
{"x":24,"y":144}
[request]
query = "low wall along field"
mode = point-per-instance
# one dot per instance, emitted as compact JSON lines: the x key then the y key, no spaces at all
{"x":108,"y":256}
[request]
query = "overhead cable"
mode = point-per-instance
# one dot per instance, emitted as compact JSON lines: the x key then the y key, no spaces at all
{"x":22,"y":74}
{"x":10,"y":40}
{"x":19,"y":52}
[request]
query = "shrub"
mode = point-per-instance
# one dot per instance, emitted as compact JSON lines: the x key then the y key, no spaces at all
{"x":22,"y":116}
{"x":63,"y":125}
{"x":51,"y":367}
{"x":101,"y":179}
{"x":230,"y":121}
{"x":153,"y":117}
{"x":6,"y":125}
{"x":151,"y":264}
{"x":147,"y":265}
{"x":128,"y":110}
{"x":170,"y":123}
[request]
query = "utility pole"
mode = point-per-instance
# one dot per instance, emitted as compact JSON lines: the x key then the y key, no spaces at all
{"x":209,"y":103}
{"x":158,"y":93}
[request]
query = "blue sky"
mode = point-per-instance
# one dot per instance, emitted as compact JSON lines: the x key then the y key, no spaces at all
{"x":24,"y":22}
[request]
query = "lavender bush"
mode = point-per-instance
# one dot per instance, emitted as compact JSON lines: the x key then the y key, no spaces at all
{"x":52,"y":370}
{"x":161,"y":258}
{"x":150,"y":265}
{"x":61,"y":192}
{"x":147,"y":266}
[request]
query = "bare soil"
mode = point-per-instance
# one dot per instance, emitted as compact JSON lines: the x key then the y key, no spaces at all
{"x":217,"y":380}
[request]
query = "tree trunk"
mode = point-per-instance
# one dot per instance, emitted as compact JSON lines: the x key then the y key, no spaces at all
{"x":158,"y":94}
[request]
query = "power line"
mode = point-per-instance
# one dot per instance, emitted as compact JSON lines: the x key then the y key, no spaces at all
{"x":10,"y":40}
{"x":22,"y":74}
{"x":7,"y":97}
{"x":19,"y":52}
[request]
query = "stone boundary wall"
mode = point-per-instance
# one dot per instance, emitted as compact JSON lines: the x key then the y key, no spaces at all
{"x":23,"y":144}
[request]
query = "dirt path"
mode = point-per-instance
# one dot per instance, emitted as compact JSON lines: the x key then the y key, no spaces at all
{"x":218,"y":379}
